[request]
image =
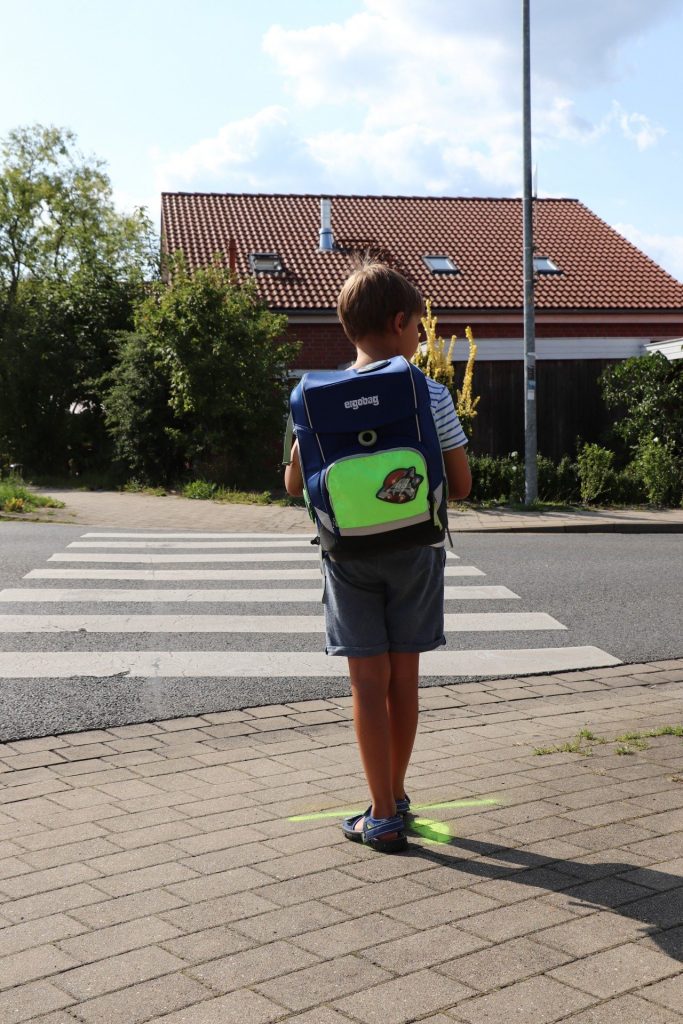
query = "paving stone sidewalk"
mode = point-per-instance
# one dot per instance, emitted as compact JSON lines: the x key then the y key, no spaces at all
{"x":142,"y":511}
{"x":193,"y":872}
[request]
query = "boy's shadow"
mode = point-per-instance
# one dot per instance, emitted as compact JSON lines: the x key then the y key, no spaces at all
{"x":596,"y":885}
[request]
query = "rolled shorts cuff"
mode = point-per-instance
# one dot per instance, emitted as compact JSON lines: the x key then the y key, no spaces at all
{"x":418,"y":648}
{"x":371,"y":652}
{"x":357,"y":652}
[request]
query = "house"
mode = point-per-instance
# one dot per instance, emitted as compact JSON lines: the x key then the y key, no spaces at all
{"x":598,"y":298}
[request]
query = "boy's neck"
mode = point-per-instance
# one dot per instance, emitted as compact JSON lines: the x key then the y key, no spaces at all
{"x":374,"y":347}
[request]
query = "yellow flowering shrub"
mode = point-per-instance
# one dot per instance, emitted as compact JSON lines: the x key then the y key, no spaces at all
{"x":435,"y":358}
{"x":465,"y":403}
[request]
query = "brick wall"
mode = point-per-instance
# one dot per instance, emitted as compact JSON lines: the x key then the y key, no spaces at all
{"x":325,"y":346}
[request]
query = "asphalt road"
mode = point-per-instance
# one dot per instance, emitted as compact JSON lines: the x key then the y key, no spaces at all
{"x":618,"y":592}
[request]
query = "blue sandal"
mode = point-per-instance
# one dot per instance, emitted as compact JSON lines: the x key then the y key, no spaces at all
{"x":403,"y":805}
{"x":373,"y":830}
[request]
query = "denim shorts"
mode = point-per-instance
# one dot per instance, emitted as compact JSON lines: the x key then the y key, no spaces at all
{"x":388,"y":602}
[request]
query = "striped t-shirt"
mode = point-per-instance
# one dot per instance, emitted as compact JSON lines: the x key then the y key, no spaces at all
{"x":448,"y":426}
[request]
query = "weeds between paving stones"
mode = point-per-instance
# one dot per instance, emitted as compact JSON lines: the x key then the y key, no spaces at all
{"x":630,"y":741}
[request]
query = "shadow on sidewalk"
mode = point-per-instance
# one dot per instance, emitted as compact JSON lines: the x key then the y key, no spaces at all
{"x":598,"y":886}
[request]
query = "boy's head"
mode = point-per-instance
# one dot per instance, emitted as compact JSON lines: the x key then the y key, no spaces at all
{"x":372,"y":296}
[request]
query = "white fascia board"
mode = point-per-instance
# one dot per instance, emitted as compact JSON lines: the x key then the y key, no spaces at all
{"x":491,"y":350}
{"x":672,"y":349}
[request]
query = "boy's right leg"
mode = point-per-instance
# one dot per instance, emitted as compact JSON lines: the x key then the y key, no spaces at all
{"x":370,"y":679}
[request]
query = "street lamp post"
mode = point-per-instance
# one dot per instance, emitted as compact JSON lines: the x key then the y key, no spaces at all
{"x":530,"y":439}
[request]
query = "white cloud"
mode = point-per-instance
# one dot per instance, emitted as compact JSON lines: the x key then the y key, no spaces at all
{"x":572,"y":44}
{"x":560,"y":122}
{"x":639,"y":129}
{"x":423,"y":97}
{"x":262,"y":152}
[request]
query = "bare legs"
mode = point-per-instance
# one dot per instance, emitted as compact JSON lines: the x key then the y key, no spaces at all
{"x":402,"y":709}
{"x":385,"y":712}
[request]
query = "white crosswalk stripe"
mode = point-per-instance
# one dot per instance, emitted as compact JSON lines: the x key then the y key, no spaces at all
{"x":189,"y":545}
{"x":298,"y":595}
{"x":253,"y":556}
{"x":259,"y":561}
{"x":274,"y":664}
{"x":243,"y":575}
{"x":457,"y":623}
{"x":276,"y":538}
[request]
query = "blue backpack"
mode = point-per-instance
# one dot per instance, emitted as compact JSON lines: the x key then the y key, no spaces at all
{"x":370,"y":457}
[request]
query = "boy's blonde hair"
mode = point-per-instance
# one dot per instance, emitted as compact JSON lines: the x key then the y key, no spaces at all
{"x":372,"y":296}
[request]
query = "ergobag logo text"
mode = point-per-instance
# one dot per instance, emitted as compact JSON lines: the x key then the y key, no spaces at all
{"x":356,"y":403}
{"x":372,"y":463}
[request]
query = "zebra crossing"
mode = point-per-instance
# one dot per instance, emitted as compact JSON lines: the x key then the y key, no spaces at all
{"x":268,"y":630}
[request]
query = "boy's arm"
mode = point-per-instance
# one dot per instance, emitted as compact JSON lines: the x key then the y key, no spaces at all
{"x":294,"y":481}
{"x":457,"y":473}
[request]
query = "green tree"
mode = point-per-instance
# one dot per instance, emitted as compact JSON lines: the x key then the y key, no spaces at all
{"x":647,"y":395}
{"x":147,"y":437}
{"x":226,"y":360}
{"x":71,"y":270}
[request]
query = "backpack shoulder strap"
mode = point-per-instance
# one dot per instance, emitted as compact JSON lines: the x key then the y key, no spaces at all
{"x":288,"y":442}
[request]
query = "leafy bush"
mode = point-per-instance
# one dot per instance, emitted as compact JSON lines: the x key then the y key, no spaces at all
{"x":497,"y":478}
{"x":647,"y":394}
{"x":557,"y":482}
{"x":660,"y":470}
{"x":16,"y":497}
{"x":226,"y":359}
{"x":14,"y":505}
{"x":201,"y":489}
{"x":146,"y":435}
{"x":628,"y":487}
{"x":596,"y":472}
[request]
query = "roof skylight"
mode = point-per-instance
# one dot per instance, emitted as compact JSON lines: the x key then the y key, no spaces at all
{"x":544,"y":265}
{"x":265,"y":262}
{"x":440,"y":264}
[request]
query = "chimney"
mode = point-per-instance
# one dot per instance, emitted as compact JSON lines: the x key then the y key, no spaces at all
{"x":326,"y":237}
{"x":232,"y":256}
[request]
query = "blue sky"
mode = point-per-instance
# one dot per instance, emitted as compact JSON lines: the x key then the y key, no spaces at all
{"x":411,"y":97}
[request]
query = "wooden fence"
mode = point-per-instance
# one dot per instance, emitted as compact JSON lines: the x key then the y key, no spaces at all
{"x":569,"y":405}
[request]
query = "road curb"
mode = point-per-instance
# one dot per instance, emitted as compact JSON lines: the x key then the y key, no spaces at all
{"x":578,"y":528}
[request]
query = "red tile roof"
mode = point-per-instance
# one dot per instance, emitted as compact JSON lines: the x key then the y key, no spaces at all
{"x":600,"y":269}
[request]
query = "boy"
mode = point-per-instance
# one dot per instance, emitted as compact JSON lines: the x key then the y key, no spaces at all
{"x":382,"y":611}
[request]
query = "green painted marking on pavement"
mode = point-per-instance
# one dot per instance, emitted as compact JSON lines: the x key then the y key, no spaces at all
{"x":325,"y":814}
{"x":430,"y":831}
{"x":320,"y":815}
{"x":483,"y":802}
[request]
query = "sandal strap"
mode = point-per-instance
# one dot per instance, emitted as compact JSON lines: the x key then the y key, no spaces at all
{"x":373,"y":828}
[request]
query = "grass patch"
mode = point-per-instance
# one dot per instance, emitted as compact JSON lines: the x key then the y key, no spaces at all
{"x":629,"y":742}
{"x":575,"y":746}
{"x":16,"y":498}
{"x":136,"y":487}
{"x":205,"y":490}
{"x":520,"y":506}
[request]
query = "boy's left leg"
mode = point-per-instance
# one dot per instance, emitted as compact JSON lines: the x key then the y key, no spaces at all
{"x":403,"y":710}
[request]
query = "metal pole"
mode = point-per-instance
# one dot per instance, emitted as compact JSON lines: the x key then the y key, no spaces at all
{"x":530,"y":440}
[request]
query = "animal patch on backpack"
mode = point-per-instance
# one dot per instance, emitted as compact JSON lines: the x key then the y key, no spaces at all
{"x":400,"y":485}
